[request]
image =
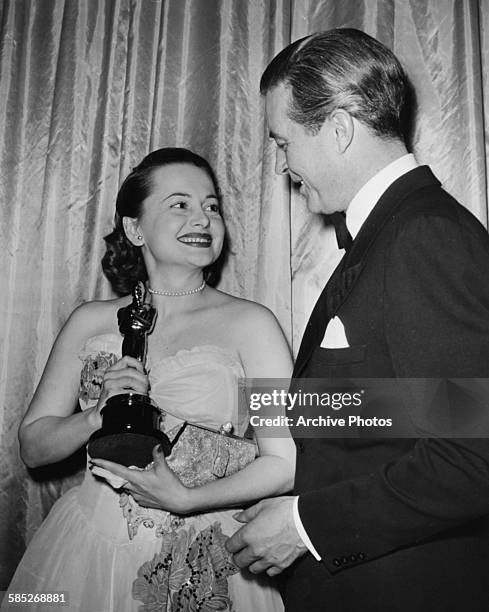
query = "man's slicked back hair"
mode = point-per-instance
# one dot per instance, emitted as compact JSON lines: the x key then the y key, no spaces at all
{"x":341,"y":69}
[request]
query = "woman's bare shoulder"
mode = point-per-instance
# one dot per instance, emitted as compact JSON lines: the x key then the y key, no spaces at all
{"x":245,"y":313}
{"x":255,"y":332}
{"x":95,"y":317}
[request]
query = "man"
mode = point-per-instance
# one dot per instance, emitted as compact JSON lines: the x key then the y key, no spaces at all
{"x":378,"y":523}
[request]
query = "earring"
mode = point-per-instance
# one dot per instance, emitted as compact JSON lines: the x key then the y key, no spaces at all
{"x":139,"y":237}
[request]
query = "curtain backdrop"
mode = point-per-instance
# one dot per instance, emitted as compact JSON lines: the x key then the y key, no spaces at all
{"x":87,"y":88}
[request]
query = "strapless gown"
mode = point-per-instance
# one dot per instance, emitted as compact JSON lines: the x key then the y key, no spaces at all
{"x":109,"y":554}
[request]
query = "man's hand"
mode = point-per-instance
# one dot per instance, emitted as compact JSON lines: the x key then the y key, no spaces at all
{"x":269,"y":541}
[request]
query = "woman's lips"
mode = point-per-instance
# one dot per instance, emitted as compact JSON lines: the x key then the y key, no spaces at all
{"x":198,"y":240}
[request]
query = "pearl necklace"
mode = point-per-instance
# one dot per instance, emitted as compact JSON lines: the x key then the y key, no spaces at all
{"x":177,"y":293}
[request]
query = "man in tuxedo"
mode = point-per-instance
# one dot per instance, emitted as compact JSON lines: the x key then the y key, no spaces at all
{"x":397,"y":524}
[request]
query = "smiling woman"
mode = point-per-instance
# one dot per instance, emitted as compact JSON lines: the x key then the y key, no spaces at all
{"x":169,"y":185}
{"x":160,"y":540}
{"x":178,"y":225}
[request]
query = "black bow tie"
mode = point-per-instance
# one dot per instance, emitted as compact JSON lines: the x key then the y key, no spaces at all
{"x":343,"y":236}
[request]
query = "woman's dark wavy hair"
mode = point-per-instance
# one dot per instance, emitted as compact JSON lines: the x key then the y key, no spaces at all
{"x":342,"y":69}
{"x":123,"y":263}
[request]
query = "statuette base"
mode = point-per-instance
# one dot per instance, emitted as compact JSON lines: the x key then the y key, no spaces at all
{"x":130,"y":431}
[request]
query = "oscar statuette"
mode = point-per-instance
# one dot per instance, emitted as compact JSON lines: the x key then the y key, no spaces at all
{"x":130,"y":421}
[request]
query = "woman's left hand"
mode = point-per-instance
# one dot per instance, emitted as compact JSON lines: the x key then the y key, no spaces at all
{"x":156,"y":487}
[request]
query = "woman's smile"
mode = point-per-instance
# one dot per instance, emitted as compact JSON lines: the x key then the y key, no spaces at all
{"x":196,"y":239}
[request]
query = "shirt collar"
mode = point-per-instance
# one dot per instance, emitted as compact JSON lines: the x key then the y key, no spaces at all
{"x":368,"y":196}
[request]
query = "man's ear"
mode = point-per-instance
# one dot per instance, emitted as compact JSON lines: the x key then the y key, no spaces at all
{"x":344,"y":128}
{"x":132,"y":231}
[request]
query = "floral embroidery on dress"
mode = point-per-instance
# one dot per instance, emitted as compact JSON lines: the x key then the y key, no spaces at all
{"x":92,"y":374}
{"x":189,"y":574}
{"x":151,"y":518}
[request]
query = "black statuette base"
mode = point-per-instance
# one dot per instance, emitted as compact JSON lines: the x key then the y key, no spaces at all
{"x":124,"y":448}
{"x":129,"y":432}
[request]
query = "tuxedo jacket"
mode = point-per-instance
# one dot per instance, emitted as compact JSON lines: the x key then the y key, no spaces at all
{"x":401,"y":524}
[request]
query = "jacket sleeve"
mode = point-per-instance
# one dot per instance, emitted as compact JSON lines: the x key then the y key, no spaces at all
{"x":436,"y":324}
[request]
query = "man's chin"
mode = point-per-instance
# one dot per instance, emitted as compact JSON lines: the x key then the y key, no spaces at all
{"x":319,"y":207}
{"x":314,"y":206}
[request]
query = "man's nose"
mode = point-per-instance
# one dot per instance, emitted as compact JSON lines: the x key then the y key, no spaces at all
{"x":280,"y":162}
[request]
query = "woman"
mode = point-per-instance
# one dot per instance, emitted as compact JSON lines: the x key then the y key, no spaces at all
{"x":98,"y":544}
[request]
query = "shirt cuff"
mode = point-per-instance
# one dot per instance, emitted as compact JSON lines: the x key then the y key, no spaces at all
{"x":302,"y":532}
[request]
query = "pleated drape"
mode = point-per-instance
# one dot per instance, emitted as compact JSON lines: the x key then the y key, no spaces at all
{"x":87,"y":88}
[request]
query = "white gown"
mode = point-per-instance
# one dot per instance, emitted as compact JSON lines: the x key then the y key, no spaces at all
{"x":107,"y":553}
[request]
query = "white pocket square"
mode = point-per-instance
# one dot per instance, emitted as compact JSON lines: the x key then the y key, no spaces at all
{"x":334,"y":336}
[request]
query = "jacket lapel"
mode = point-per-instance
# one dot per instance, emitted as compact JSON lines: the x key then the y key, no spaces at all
{"x":317,"y":322}
{"x":350,"y":267}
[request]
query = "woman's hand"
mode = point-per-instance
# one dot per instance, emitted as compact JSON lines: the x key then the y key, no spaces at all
{"x":156,"y":487}
{"x":126,"y":375}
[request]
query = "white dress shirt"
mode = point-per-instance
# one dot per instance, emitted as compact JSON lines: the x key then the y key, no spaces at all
{"x":358,"y":210}
{"x":368,"y":196}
